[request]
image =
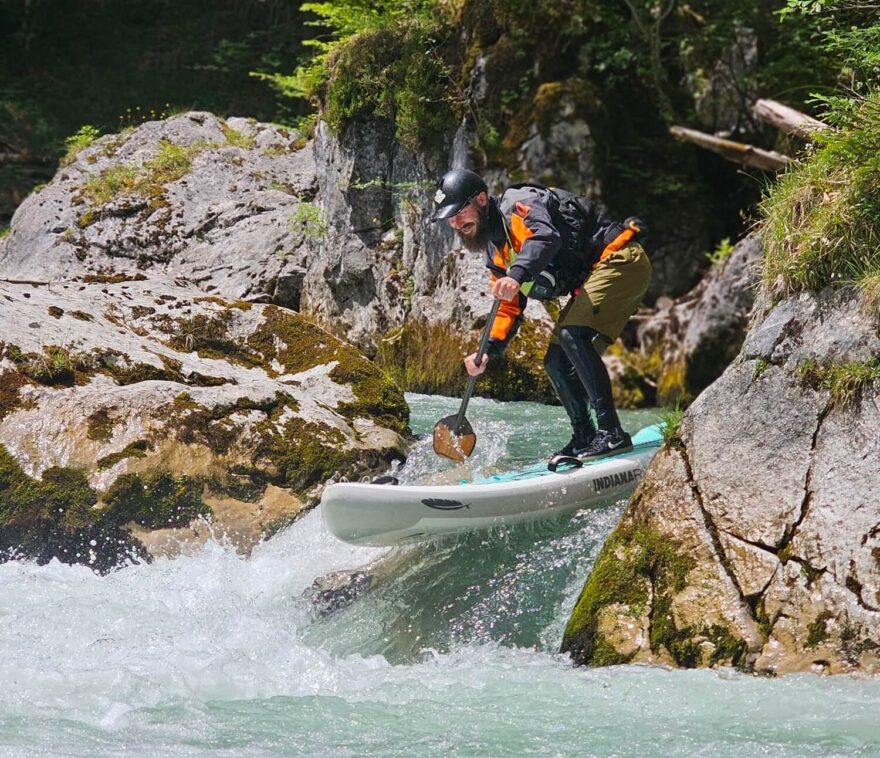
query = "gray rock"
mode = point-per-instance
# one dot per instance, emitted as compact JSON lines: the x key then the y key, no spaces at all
{"x":784,"y":467}
{"x":248,"y":409}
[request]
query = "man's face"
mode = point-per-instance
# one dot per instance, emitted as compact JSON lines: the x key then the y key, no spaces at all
{"x":470,"y":223}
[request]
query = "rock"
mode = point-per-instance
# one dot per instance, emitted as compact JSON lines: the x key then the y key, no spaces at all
{"x":770,"y":490}
{"x":170,"y":405}
{"x":689,"y":341}
{"x":337,"y":226}
{"x":719,"y":320}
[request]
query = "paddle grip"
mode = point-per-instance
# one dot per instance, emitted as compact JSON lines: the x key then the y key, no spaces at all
{"x":481,"y":352}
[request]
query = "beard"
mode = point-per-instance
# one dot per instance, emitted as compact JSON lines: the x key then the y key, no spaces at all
{"x":477,"y":237}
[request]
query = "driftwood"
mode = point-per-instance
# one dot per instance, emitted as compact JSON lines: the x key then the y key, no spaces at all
{"x":738,"y":152}
{"x":788,"y":119}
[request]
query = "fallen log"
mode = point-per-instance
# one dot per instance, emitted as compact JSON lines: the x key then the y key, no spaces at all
{"x":788,"y":119}
{"x":738,"y":152}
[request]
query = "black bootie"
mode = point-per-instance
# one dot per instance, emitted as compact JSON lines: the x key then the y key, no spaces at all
{"x":572,"y":395}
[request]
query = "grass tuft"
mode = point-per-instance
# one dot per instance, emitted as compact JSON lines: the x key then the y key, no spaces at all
{"x":844,"y":381}
{"x":822,"y":218}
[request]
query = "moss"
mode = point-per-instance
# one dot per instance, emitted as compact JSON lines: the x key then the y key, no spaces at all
{"x":817,"y":632}
{"x":241,"y":305}
{"x":727,"y":647}
{"x":100,"y":425}
{"x":633,"y":555}
{"x":55,"y":311}
{"x":378,"y":397}
{"x":302,"y":453}
{"x":238,"y":139}
{"x":845,"y":382}
{"x":136,"y":449}
{"x":112,"y":278}
{"x":62,"y":497}
{"x":207,"y":335}
{"x":649,"y":378}
{"x":10,"y":386}
{"x":427,"y":358}
{"x":155,"y":501}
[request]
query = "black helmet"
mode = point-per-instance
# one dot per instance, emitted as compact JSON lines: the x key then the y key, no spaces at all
{"x":455,"y":190}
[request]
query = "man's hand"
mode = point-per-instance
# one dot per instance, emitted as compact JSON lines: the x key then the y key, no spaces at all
{"x":505,"y":288}
{"x":472,"y":368}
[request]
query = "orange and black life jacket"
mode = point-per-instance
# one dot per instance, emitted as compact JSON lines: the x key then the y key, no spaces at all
{"x":536,"y":229}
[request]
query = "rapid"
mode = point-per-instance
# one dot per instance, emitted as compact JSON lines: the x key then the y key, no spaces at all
{"x":447,"y":648}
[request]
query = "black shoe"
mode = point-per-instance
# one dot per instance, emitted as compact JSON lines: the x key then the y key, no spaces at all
{"x":577,"y":445}
{"x":608,"y":443}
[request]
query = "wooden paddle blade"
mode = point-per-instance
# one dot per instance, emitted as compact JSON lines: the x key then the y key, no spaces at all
{"x":454,"y":445}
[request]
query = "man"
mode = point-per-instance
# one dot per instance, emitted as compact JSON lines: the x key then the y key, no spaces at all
{"x":544,"y":243}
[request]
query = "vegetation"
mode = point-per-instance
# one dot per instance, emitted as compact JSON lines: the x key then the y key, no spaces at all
{"x":128,"y":63}
{"x":671,"y":419}
{"x":170,"y":163}
{"x":79,"y":141}
{"x":389,"y":59}
{"x":844,"y":381}
{"x":822,"y":219}
{"x":721,"y":253}
{"x":308,"y":220}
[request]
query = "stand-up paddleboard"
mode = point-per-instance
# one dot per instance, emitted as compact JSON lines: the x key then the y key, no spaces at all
{"x":389,"y":514}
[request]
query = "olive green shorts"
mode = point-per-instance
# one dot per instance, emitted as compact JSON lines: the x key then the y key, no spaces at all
{"x":610,"y":296}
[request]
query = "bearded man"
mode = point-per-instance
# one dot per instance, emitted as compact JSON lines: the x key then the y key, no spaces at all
{"x":542,"y":243}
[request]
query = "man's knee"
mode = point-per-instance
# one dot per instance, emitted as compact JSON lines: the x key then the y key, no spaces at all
{"x":554,"y":359}
{"x":576,"y":336}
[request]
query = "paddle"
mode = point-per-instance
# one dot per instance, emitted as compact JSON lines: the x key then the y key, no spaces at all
{"x":454,"y":437}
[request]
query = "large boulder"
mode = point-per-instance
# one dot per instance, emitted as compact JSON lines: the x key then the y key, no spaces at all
{"x":135,"y":413}
{"x":336,"y":226}
{"x":754,"y":537}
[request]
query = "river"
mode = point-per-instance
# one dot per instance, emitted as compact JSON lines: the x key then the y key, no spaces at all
{"x":452,"y":650}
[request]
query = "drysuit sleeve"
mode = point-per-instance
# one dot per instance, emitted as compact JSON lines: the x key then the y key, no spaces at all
{"x":507,"y":322}
{"x":530,"y":222}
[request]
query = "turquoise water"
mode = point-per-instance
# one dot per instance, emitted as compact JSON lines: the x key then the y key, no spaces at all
{"x":450,"y":651}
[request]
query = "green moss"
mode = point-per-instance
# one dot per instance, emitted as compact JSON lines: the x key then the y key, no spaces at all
{"x":632,"y":556}
{"x":238,"y":139}
{"x":155,"y":501}
{"x":149,"y":181}
{"x":137,"y":449}
{"x":100,"y":425}
{"x":728,"y":648}
{"x":10,"y":386}
{"x":112,"y":278}
{"x":817,"y":632}
{"x":427,"y":358}
{"x":844,"y":381}
{"x":62,"y":497}
{"x":378,"y":397}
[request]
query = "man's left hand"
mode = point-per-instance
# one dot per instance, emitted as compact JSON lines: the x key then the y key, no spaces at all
{"x":505,"y":288}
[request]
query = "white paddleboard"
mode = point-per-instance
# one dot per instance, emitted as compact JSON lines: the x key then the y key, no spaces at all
{"x":389,"y":514}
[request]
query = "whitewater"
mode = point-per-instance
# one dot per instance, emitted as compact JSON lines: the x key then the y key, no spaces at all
{"x":449,"y":648}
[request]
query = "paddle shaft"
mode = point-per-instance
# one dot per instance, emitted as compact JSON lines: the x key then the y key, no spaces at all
{"x":481,"y":352}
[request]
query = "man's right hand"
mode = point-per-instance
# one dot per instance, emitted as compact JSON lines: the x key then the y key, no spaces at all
{"x":472,"y":368}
